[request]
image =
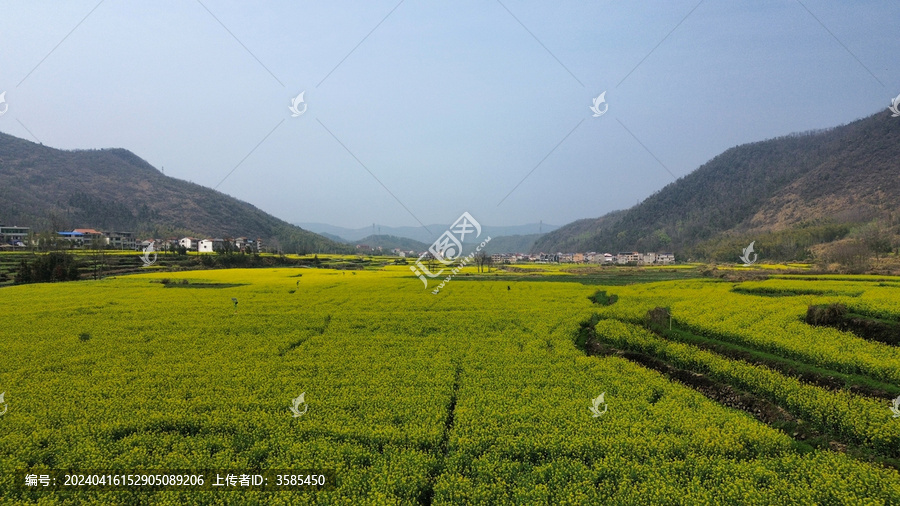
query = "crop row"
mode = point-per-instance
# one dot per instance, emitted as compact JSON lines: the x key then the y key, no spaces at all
{"x":857,"y":419}
{"x":523,"y":429}
{"x":876,"y":297}
{"x":773,"y":325}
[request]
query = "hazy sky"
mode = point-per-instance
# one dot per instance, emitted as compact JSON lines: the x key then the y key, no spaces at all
{"x":418,"y":111}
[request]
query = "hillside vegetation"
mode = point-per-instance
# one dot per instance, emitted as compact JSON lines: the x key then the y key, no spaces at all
{"x":113,"y":189}
{"x":789,"y":194}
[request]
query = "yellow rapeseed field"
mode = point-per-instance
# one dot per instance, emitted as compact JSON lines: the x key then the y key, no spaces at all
{"x":476,"y":395}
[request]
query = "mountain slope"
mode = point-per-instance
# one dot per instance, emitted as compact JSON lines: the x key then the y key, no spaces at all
{"x":511,"y":244}
{"x":113,"y":189}
{"x":847,"y":174}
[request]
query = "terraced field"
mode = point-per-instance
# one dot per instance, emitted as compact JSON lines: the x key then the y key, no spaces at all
{"x":753,"y":337}
{"x":478,"y":395}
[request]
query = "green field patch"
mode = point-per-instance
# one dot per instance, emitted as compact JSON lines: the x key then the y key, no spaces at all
{"x":207,"y":285}
{"x":187,"y":283}
{"x":808,"y":373}
{"x":865,"y":326}
{"x":792,"y":292}
{"x":603,"y":299}
{"x":660,"y":321}
{"x":861,"y":423}
{"x":858,"y":278}
{"x":614,"y":277}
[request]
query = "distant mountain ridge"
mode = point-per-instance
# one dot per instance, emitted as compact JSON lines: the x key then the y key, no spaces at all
{"x":390,"y":242}
{"x":498,"y":244}
{"x":114,"y":189}
{"x":788,"y":193}
{"x":353,"y":235}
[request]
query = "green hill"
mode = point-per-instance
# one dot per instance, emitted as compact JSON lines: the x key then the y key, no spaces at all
{"x":511,"y":243}
{"x":113,"y":189}
{"x":789,"y":194}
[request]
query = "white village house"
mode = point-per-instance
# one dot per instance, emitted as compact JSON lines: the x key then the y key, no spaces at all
{"x":665,"y":258}
{"x":188,"y":243}
{"x":647,"y":259}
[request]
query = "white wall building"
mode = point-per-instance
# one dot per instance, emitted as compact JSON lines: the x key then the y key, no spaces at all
{"x":648,"y":259}
{"x":625,"y":257}
{"x":120,"y":240}
{"x":665,"y":258}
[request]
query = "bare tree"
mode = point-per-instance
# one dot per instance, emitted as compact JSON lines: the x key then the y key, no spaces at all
{"x":854,"y":256}
{"x":481,"y":259}
{"x":431,"y":261}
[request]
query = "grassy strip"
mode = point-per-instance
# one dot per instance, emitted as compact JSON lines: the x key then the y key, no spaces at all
{"x":614,"y":278}
{"x":875,"y":318}
{"x":806,"y":438}
{"x":870,"y":329}
{"x":833,"y":360}
{"x":793,"y":292}
{"x":204,"y":285}
{"x":819,"y":376}
{"x":868,"y":278}
{"x":860,"y":421}
{"x":863,"y":326}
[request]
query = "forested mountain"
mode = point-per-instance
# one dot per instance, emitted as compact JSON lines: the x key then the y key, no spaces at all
{"x":511,"y":243}
{"x":113,"y":189}
{"x":788,"y":194}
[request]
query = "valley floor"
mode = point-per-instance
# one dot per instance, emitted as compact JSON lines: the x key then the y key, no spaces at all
{"x":481,"y":394}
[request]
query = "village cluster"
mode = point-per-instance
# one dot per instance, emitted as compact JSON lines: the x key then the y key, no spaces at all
{"x":627,"y":258}
{"x":622,"y":258}
{"x":89,"y":238}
